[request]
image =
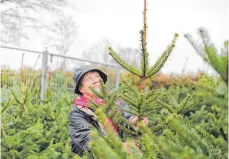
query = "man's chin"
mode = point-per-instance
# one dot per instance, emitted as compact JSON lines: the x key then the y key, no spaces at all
{"x":98,"y":90}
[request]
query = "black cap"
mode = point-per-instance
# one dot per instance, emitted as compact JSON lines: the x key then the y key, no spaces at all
{"x":80,"y":72}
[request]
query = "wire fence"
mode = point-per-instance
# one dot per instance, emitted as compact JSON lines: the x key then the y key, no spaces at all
{"x":48,"y":70}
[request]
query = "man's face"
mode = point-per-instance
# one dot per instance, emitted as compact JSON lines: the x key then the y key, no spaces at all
{"x":90,"y":79}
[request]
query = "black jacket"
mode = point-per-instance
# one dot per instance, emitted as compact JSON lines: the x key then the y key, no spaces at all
{"x":79,"y":130}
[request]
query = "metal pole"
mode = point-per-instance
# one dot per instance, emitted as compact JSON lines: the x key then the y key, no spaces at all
{"x":19,"y":49}
{"x":44,"y":73}
{"x":118,"y":76}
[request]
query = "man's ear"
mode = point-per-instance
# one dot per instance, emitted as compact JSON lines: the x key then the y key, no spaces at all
{"x":80,"y":87}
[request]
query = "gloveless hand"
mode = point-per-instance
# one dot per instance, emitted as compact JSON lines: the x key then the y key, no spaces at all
{"x":134,"y":120}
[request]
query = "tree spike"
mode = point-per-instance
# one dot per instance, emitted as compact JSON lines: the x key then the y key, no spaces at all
{"x":145,"y":54}
{"x":123,"y":63}
{"x":160,"y":62}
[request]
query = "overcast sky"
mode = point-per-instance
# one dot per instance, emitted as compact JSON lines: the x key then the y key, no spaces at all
{"x":121,"y":20}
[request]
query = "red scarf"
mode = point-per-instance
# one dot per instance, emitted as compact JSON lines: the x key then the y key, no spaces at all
{"x":83,"y":101}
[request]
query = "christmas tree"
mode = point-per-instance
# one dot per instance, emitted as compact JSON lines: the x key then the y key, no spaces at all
{"x":172,"y":131}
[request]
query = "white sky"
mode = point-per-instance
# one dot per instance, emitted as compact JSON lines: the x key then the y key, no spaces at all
{"x":121,"y":20}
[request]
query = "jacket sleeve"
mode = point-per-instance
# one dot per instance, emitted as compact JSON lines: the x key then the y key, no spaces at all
{"x":124,"y":106}
{"x":79,"y":132}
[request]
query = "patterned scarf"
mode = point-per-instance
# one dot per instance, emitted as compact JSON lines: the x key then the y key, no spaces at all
{"x":83,"y":103}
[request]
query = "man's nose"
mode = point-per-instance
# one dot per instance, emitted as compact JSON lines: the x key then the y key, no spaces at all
{"x":95,"y":80}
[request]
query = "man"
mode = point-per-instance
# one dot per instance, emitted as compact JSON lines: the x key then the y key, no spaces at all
{"x":82,"y":115}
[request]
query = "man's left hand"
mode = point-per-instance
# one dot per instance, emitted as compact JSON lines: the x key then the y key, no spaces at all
{"x":145,"y":121}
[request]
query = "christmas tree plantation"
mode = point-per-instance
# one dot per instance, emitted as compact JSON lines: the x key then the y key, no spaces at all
{"x":186,"y":121}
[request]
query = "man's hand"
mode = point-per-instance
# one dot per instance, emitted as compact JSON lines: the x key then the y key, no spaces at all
{"x":131,"y":147}
{"x":134,"y":120}
{"x":126,"y":147}
{"x":145,"y":121}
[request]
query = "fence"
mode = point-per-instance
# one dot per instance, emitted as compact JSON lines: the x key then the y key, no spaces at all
{"x":47,"y":68}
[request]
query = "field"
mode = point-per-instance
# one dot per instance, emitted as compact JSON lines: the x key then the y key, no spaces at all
{"x":32,"y":128}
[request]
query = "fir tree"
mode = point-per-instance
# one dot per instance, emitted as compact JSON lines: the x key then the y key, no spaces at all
{"x":170,"y":134}
{"x":31,"y":128}
{"x":208,"y":52}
